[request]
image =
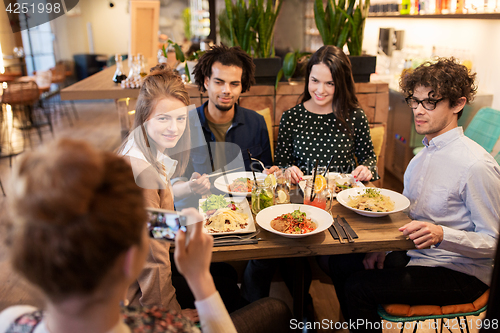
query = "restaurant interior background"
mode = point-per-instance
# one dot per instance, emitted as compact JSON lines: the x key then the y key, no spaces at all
{"x":103,"y":28}
{"x":473,"y":39}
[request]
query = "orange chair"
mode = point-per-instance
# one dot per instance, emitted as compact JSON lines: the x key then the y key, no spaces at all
{"x":403,"y":313}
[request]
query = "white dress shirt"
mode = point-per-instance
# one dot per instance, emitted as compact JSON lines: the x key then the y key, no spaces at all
{"x":453,"y":182}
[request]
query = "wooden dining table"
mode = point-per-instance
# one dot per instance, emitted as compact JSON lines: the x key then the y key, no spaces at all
{"x":374,"y":234}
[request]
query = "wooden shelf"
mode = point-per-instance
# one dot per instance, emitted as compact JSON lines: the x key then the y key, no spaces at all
{"x":485,"y":16}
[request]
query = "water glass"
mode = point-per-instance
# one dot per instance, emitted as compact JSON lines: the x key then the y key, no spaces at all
{"x":262,"y":197}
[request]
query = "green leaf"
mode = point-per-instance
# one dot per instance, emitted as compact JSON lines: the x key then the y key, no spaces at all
{"x":179,"y":55}
{"x":289,"y":64}
{"x":319,"y":17}
{"x":278,"y":78}
{"x":164,"y":50}
{"x":186,"y":69}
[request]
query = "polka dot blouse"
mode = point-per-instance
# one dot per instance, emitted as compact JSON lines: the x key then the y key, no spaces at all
{"x":305,"y":136}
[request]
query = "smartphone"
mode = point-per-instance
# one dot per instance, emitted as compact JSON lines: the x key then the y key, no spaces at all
{"x":164,"y":224}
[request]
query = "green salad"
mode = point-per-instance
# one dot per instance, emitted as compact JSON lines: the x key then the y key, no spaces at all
{"x":214,"y":202}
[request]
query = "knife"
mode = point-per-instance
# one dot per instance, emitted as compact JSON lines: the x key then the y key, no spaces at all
{"x":341,"y":223}
{"x":338,"y":233}
{"x":236,"y":242}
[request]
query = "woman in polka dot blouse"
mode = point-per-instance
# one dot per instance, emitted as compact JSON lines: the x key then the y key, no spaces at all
{"x":328,"y":122}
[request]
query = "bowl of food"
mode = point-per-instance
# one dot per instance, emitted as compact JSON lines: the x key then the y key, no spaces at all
{"x":238,"y":183}
{"x":294,"y":220}
{"x":372,"y":201}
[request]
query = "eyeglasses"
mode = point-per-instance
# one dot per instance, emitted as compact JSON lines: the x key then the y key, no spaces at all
{"x":428,"y":104}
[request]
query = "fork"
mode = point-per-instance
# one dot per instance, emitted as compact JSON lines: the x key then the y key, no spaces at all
{"x":248,"y":236}
{"x":262,"y":164}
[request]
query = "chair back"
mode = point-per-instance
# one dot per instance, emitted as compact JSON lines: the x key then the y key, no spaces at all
{"x":58,"y":73}
{"x":43,"y":79}
{"x":485,"y":128}
{"x":21,"y":93}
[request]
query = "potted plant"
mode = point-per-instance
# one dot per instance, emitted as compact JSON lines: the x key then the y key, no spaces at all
{"x":344,"y":22}
{"x":289,"y":69}
{"x":251,"y":26}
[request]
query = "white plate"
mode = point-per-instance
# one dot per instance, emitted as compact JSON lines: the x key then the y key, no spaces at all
{"x":334,"y":177}
{"x":222,"y":182}
{"x":322,"y":218}
{"x":245,"y":208}
{"x":400,"y":201}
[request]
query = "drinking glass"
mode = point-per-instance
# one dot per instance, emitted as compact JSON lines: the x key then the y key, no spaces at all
{"x":283,"y":183}
{"x":317,"y":198}
{"x":262,"y":197}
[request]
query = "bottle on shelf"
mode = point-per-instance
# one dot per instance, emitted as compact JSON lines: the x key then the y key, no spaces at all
{"x":119,"y":74}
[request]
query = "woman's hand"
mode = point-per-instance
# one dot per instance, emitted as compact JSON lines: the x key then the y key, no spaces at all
{"x":199,"y":184}
{"x":295,"y":174}
{"x":362,"y":173}
{"x":193,"y":261}
{"x":271,"y":170}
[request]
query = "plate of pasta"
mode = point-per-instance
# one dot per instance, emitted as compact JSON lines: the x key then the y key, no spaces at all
{"x":237,"y":183}
{"x":294,"y":220}
{"x":224,"y":216}
{"x":372,"y":201}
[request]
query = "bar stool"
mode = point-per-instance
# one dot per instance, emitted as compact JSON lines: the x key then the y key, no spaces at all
{"x":402,"y":313}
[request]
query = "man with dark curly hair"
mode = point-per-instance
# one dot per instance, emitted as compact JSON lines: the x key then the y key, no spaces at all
{"x":222,"y":132}
{"x":453,"y":186}
{"x":224,"y":73}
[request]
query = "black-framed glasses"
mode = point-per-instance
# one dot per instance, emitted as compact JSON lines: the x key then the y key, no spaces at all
{"x":428,"y":103}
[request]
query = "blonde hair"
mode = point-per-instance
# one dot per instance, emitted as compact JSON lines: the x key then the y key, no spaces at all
{"x":161,"y":82}
{"x":74,"y":210}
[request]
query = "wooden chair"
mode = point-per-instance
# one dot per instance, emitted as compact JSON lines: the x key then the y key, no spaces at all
{"x":59,"y":79}
{"x":23,"y":97}
{"x":402,"y":313}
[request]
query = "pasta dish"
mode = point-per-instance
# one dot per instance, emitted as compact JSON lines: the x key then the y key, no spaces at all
{"x":241,"y":185}
{"x":371,"y":201}
{"x":293,"y":223}
{"x":226,"y":219}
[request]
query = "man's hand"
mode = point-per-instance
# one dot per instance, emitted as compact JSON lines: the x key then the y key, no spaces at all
{"x":362,"y":173}
{"x":423,"y":234}
{"x":295,"y":174}
{"x":199,"y":184}
{"x":372,"y":258}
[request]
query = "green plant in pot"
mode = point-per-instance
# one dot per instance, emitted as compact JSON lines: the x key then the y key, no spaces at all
{"x":251,"y":26}
{"x":237,"y":24}
{"x":344,"y":22}
{"x":290,"y":62}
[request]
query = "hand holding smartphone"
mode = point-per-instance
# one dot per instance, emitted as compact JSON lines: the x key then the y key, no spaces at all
{"x":165,"y":224}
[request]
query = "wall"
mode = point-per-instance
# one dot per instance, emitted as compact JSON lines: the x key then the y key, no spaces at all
{"x":479,"y":37}
{"x":7,"y":38}
{"x":110,"y":28}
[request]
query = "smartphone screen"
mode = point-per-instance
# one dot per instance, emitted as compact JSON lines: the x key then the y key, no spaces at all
{"x":164,"y":224}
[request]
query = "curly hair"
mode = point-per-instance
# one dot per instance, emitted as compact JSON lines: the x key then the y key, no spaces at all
{"x":227,"y":56}
{"x":446,"y":77}
{"x":73,"y":212}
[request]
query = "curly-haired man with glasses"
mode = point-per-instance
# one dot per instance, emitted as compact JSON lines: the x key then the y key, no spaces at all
{"x":453,"y":186}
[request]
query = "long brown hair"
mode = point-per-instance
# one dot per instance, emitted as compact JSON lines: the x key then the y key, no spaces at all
{"x":161,"y":82}
{"x":74,"y":210}
{"x":344,"y":98}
